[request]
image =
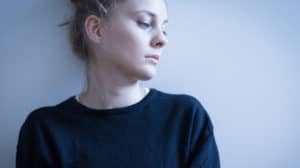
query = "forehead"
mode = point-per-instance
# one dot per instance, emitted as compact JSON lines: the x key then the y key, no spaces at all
{"x":155,"y":8}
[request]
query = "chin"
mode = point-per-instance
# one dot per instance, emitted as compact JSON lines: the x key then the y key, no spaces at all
{"x":146,"y":74}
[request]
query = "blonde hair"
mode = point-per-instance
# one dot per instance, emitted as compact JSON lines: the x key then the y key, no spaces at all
{"x":83,"y":9}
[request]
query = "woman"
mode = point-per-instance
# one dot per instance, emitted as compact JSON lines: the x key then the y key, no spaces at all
{"x":116,"y":122}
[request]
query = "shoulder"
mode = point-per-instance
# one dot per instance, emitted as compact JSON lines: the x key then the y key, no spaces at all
{"x":44,"y":114}
{"x":37,"y":115}
{"x":189,"y":107}
{"x":182,"y":100}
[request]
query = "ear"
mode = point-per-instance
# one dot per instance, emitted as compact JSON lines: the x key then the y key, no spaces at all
{"x":93,"y":28}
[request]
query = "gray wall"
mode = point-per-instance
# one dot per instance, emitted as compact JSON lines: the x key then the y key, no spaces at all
{"x":239,"y":58}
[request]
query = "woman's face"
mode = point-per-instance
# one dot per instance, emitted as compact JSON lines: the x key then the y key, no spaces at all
{"x":136,"y":30}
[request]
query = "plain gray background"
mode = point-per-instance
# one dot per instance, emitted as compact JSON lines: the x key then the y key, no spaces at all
{"x":239,"y":58}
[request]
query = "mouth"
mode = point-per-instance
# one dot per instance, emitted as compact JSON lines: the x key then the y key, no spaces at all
{"x":153,"y":58}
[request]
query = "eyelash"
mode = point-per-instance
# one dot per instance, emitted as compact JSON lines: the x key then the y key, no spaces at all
{"x":143,"y":24}
{"x":165,"y":33}
{"x":146,"y":26}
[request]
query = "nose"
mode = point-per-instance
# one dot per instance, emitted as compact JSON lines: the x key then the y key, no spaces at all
{"x":159,"y":40}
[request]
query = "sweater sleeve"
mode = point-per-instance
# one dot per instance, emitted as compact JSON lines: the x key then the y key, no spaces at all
{"x":203,"y":151}
{"x":32,"y":151}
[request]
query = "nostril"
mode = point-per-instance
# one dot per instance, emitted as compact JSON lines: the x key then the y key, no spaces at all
{"x":159,"y":44}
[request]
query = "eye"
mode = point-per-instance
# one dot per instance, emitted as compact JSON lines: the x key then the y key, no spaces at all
{"x":165,"y":33}
{"x":164,"y":30}
{"x":143,"y":24}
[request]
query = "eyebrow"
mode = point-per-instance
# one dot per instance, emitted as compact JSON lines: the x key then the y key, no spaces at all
{"x":151,"y":14}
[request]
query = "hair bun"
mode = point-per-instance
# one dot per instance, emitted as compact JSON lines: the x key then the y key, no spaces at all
{"x":79,"y":4}
{"x":76,"y":2}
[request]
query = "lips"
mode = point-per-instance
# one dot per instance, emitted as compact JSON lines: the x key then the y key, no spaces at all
{"x":156,"y":57}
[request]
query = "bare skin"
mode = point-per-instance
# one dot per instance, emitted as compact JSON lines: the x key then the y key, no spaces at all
{"x":119,"y":47}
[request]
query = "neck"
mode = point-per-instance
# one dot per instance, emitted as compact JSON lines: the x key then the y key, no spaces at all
{"x":106,"y":90}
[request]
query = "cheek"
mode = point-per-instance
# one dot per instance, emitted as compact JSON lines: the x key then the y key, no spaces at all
{"x":129,"y":41}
